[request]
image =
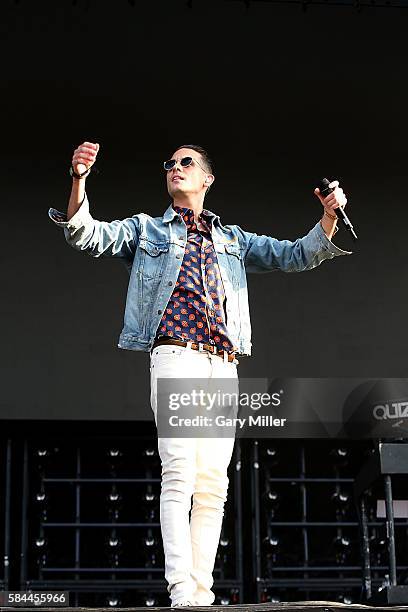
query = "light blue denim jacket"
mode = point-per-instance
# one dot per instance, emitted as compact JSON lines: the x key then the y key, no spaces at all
{"x":152,"y":248}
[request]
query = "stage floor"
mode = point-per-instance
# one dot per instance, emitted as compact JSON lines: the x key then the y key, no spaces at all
{"x":297,"y":606}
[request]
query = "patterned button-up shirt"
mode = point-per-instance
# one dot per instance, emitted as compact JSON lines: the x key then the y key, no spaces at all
{"x":195,"y":310}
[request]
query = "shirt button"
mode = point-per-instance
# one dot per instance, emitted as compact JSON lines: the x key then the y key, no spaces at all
{"x":159,"y":311}
{"x":178,"y":256}
{"x":170,"y":283}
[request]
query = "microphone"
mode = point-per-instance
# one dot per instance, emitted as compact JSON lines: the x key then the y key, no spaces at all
{"x":325,"y":190}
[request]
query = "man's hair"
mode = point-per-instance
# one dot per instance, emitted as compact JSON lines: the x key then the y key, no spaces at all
{"x":208,"y":165}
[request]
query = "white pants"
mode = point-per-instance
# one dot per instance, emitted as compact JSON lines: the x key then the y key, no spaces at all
{"x":191,"y":467}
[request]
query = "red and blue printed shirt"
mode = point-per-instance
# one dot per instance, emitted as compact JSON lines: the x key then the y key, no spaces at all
{"x":195,"y":311}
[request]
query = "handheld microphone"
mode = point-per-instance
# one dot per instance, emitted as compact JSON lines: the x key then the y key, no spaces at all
{"x":325,"y":190}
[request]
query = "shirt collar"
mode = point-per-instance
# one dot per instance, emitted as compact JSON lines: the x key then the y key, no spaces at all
{"x":174,"y":210}
{"x":188,"y":215}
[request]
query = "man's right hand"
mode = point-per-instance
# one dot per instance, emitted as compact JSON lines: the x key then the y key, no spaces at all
{"x":84,"y":156}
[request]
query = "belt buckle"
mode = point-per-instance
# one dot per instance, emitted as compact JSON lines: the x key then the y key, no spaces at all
{"x":201,"y":347}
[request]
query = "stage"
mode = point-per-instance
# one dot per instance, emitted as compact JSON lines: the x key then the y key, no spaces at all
{"x":308,"y":606}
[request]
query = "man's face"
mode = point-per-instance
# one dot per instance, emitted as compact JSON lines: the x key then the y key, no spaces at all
{"x":188,"y":180}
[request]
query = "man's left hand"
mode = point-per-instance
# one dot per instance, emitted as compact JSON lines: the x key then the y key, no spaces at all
{"x":333,"y":200}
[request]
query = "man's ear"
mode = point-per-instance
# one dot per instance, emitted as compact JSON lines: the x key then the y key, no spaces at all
{"x":209,"y":179}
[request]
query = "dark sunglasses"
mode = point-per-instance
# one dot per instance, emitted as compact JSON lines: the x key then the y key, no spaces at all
{"x":184,"y":161}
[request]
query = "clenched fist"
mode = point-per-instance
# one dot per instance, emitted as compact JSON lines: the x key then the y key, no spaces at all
{"x":333,"y":200}
{"x":84,"y":156}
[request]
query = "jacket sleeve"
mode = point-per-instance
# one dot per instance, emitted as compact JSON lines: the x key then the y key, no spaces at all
{"x":98,"y":238}
{"x":266,"y":254}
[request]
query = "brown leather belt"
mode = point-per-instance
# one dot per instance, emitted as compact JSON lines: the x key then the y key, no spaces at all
{"x":195,"y":346}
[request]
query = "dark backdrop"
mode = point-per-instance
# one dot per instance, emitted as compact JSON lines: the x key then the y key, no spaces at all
{"x":280,"y":97}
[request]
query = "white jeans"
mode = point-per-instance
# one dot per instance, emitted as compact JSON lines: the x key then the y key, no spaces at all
{"x":191,"y":467}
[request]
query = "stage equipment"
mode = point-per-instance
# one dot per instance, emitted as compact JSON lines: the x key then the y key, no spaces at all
{"x":387,"y":461}
{"x":90,"y":523}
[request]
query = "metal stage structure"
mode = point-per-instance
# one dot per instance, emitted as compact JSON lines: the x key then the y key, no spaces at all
{"x":81,"y":514}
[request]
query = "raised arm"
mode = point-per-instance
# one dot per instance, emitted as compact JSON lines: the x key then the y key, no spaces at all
{"x":265,"y":254}
{"x":82,"y":161}
{"x":117,"y":238}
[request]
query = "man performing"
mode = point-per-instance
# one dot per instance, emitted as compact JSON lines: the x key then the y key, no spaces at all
{"x":187,"y":305}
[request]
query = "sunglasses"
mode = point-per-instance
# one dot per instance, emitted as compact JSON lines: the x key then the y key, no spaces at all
{"x":184,"y":161}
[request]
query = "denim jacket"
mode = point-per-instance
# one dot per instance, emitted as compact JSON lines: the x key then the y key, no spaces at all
{"x":152,"y":248}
